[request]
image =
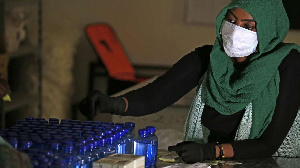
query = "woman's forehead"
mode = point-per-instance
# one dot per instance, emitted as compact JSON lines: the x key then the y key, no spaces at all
{"x":240,"y":13}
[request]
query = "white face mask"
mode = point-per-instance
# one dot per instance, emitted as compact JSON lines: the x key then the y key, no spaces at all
{"x":238,"y":41}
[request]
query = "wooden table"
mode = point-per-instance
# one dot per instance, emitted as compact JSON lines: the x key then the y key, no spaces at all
{"x":272,"y":162}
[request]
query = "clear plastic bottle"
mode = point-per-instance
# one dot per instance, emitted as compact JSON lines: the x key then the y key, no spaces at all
{"x":141,"y":145}
{"x":154,"y":144}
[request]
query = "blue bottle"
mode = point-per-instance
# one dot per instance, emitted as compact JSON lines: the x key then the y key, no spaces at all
{"x":72,"y":162}
{"x":141,"y":145}
{"x":101,"y":147}
{"x":14,"y":143}
{"x":42,"y":160}
{"x":25,"y":144}
{"x":53,"y":121}
{"x":128,"y":140}
{"x":119,"y":125}
{"x":55,"y":147}
{"x":92,"y":152}
{"x":110,"y":144}
{"x":86,"y":160}
{"x":88,"y":122}
{"x":101,"y":133}
{"x":72,"y":159}
{"x":108,"y":132}
{"x":59,"y":161}
{"x":65,"y":121}
{"x":29,"y":118}
{"x":68,"y":149}
{"x":109,"y":123}
{"x":75,"y":122}
{"x":154,"y":144}
{"x":40,"y":144}
{"x":132,"y":127}
{"x":96,"y":144}
{"x":47,"y":138}
{"x":120,"y":142}
{"x":113,"y":128}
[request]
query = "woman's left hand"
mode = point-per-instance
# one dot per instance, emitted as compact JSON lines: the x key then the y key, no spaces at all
{"x":192,"y":152}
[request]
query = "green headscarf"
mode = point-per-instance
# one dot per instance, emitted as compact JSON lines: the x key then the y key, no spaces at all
{"x":228,"y":90}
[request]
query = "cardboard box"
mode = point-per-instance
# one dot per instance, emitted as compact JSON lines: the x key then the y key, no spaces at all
{"x":120,"y":161}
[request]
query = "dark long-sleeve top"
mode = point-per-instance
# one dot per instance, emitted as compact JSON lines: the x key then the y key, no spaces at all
{"x":185,"y":75}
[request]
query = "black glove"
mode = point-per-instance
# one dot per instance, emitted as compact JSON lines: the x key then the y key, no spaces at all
{"x":192,"y":152}
{"x":96,"y":102}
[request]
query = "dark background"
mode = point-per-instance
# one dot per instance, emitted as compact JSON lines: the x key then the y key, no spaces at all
{"x":292,"y":8}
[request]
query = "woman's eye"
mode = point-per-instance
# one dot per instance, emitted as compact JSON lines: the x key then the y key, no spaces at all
{"x":231,"y":21}
{"x":228,"y":18}
{"x":249,"y":27}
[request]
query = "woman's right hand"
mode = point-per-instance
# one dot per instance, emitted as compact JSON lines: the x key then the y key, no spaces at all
{"x":97,"y":102}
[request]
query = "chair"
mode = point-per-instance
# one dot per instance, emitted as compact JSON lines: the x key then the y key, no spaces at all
{"x":112,"y":56}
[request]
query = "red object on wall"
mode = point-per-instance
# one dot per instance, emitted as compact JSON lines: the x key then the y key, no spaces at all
{"x":110,"y":51}
{"x":113,"y":57}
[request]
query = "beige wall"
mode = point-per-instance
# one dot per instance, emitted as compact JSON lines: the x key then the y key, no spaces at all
{"x":293,"y":37}
{"x":153,"y":32}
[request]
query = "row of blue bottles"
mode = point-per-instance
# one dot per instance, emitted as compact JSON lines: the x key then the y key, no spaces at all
{"x":70,"y":142}
{"x":146,"y":144}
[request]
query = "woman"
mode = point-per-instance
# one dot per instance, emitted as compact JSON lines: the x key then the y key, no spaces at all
{"x":247,"y":104}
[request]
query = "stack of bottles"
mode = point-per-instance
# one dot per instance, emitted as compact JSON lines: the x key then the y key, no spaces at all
{"x":75,"y":144}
